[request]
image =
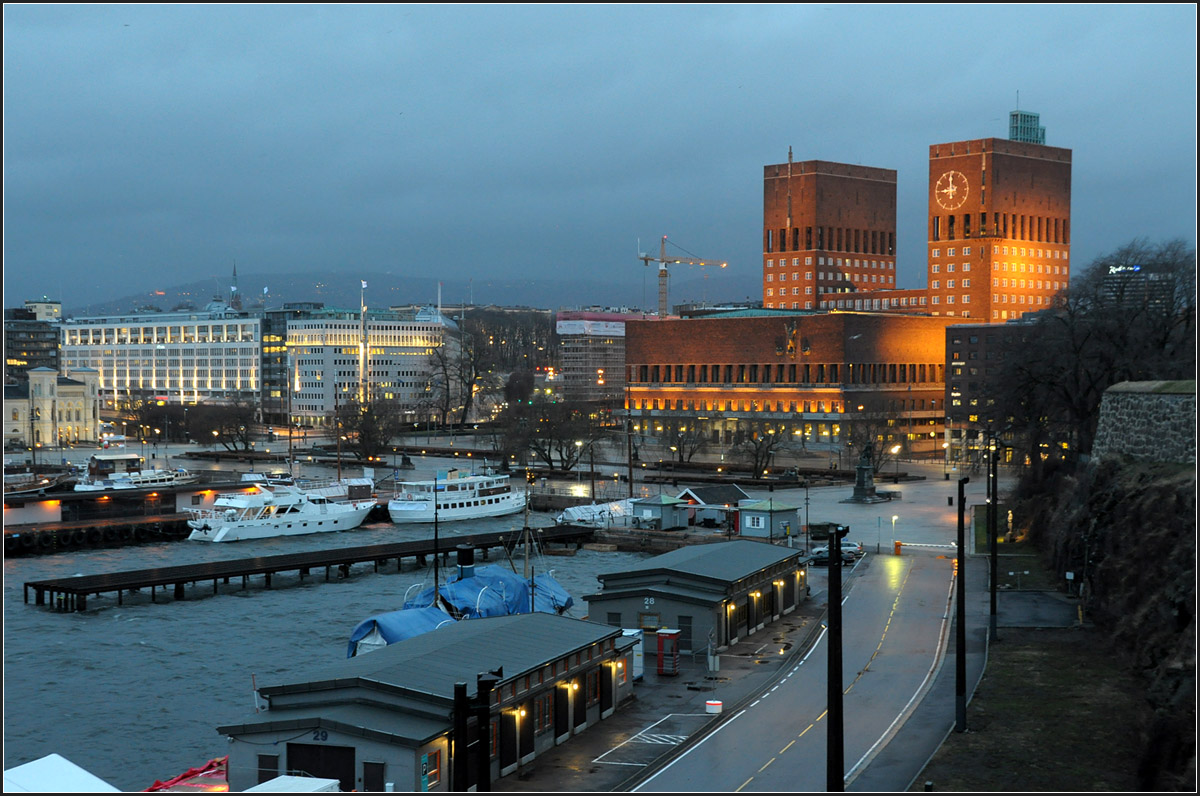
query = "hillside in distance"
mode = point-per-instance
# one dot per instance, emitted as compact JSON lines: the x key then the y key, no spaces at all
{"x":385,"y":289}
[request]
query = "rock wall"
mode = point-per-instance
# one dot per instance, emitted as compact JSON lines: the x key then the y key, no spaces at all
{"x":1150,"y":421}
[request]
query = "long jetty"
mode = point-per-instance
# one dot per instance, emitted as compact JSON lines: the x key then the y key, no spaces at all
{"x":70,"y":594}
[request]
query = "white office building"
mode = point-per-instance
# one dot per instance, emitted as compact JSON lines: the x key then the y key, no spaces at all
{"x":211,"y":355}
{"x":328,"y":363}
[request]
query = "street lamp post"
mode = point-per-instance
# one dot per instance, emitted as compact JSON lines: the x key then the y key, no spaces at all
{"x":894,"y":518}
{"x":896,"y":455}
{"x":960,"y":636}
{"x":592,"y":468}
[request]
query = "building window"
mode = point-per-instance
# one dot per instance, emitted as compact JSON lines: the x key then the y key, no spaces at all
{"x":268,"y":768}
{"x":593,"y":687}
{"x":432,"y":765}
{"x":543,"y":713}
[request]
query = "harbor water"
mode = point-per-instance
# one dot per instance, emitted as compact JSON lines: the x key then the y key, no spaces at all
{"x":134,"y":693}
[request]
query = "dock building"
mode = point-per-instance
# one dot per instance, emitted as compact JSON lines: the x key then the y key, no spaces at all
{"x":712,"y":594}
{"x":439,"y":711}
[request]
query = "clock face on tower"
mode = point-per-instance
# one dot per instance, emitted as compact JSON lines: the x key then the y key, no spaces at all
{"x":951,"y":190}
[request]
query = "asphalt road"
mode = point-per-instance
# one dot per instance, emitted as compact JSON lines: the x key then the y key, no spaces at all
{"x":894,"y":620}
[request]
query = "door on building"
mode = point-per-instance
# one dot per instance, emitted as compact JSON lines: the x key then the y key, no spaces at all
{"x":329,"y":762}
{"x":579,"y":709}
{"x":508,"y":739}
{"x":562,"y":712}
{"x":606,"y":688}
{"x":526,"y":727}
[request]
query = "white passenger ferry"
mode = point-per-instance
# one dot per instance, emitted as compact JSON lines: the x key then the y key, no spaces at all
{"x":124,"y":471}
{"x":268,"y":511}
{"x":460,"y":496}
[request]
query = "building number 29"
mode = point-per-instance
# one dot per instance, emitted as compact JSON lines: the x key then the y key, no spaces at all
{"x":320,"y":735}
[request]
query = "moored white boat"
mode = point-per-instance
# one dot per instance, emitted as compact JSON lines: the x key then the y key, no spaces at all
{"x":124,"y":471}
{"x":143,"y":479}
{"x":265,"y":512}
{"x":459,"y":496}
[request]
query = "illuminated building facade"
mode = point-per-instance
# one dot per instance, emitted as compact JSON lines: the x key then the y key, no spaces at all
{"x":325,"y":366}
{"x":187,"y":357}
{"x":52,"y":409}
{"x":828,"y":228}
{"x":999,"y":236}
{"x":804,"y":375}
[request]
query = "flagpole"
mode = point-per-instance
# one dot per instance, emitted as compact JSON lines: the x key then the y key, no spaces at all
{"x":362,"y":344}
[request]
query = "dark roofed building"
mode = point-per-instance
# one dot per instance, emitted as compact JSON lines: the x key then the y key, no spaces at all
{"x":716,"y":592}
{"x":388,"y":718}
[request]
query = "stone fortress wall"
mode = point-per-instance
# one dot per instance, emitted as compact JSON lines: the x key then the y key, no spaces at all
{"x":1153,"y":421}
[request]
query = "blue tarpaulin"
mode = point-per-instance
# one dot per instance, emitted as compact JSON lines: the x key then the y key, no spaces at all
{"x":384,"y":629}
{"x":495,"y":591}
{"x":489,"y":591}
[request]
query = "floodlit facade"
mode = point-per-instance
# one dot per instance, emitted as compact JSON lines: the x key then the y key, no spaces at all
{"x":326,"y":367}
{"x":209,"y":355}
{"x":827,"y":228}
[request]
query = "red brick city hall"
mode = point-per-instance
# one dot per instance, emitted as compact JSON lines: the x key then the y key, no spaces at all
{"x":807,"y":375}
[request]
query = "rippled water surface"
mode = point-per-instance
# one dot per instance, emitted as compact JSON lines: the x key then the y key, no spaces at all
{"x":133,"y":693}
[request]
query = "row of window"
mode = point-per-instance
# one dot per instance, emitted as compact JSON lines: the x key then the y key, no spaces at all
{"x":780,"y":373}
{"x":1040,"y":229}
{"x":1050,"y":254}
{"x":156,"y":335}
{"x":849,"y":262}
{"x":840,"y":239}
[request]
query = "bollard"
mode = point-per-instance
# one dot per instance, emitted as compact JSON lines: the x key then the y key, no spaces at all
{"x":896,"y":546}
{"x":928,"y":786}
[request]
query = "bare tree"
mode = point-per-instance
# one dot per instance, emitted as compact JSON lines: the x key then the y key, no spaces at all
{"x":371,"y":425}
{"x":681,"y":440}
{"x":230,"y":425}
{"x":1129,"y":317}
{"x":558,"y":434}
{"x":871,"y":427}
{"x":759,"y":443}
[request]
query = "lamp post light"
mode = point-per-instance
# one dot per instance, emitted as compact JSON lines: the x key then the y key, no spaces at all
{"x":579,"y":460}
{"x":945,"y":460}
{"x":896,"y":456}
{"x":894,"y":518}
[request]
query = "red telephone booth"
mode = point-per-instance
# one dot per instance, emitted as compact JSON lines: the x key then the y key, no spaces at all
{"x":668,"y":651}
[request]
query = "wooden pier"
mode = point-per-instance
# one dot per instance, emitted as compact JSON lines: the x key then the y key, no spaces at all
{"x":70,"y":594}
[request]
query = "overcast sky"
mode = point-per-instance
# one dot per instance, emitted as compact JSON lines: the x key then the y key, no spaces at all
{"x":149,"y":146}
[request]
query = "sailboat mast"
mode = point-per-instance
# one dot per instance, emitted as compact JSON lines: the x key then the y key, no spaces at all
{"x":435,"y":538}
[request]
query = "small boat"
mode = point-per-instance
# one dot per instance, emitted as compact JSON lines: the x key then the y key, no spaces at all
{"x":268,"y":511}
{"x":105,"y":473}
{"x":459,"y":496}
{"x":35,"y":483}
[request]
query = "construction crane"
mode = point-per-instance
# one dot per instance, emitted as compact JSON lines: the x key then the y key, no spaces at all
{"x":663,"y":261}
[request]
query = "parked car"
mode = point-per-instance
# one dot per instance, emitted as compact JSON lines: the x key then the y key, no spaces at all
{"x":854,"y":547}
{"x":820,"y":556}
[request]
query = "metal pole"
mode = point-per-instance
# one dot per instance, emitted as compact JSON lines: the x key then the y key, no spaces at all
{"x":960,"y":635}
{"x":994,"y":496}
{"x":835,"y":765}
